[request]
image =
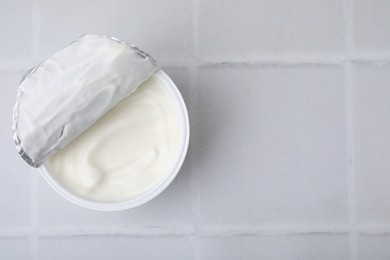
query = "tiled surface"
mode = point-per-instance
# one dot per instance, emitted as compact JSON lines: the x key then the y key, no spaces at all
{"x":270,"y":129}
{"x":323,"y":247}
{"x":117,"y":247}
{"x":267,"y":28}
{"x":372,"y":141}
{"x":290,"y":117}
{"x":15,"y":248}
{"x":371,"y":27}
{"x":374,"y":247}
{"x":15,"y":31}
{"x":16,"y":175}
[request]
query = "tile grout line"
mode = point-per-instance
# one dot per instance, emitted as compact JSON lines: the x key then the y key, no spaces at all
{"x":208,"y":232}
{"x":259,"y":61}
{"x":34,"y":213}
{"x":194,"y":238}
{"x":34,"y":172}
{"x":348,"y":22}
{"x":268,"y":230}
{"x":24,"y":66}
{"x":351,"y":162}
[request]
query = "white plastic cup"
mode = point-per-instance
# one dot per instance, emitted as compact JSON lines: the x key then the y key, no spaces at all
{"x":156,"y":189}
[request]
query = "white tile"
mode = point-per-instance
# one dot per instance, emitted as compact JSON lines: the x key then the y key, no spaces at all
{"x":269,"y":28}
{"x":303,"y":247}
{"x":371,"y":27}
{"x":15,"y":173}
{"x":374,"y":247}
{"x":14,"y":248}
{"x":271,"y":146}
{"x":15,"y":30}
{"x":172,"y":208}
{"x":161,"y":28}
{"x":372,"y":142}
{"x":115,"y":247}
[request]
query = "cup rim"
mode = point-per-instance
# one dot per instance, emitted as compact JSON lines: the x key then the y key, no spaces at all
{"x":156,"y":189}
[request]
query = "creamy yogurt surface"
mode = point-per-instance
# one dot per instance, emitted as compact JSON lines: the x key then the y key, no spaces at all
{"x":126,"y":152}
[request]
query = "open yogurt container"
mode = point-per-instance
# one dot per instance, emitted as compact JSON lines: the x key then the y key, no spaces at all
{"x":106,"y":126}
{"x":157,"y":188}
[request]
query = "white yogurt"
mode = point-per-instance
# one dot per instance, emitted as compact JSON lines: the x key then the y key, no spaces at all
{"x":127,"y":152}
{"x":107,"y":128}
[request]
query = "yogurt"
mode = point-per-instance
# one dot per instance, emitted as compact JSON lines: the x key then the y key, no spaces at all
{"x":107,"y":128}
{"x":127,"y":152}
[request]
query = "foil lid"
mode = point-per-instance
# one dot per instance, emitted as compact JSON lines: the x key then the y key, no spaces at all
{"x":65,"y":94}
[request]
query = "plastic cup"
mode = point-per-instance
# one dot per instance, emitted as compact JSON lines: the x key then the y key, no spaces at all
{"x":154,"y":190}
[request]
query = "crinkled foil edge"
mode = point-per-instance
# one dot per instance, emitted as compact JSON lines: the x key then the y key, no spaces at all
{"x":29,"y":73}
{"x":15,"y":118}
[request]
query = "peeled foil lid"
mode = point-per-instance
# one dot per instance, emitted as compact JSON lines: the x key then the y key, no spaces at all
{"x":65,"y":94}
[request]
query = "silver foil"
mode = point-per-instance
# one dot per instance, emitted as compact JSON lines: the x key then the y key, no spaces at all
{"x":15,"y":119}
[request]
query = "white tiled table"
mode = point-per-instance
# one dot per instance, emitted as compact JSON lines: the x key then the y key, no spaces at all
{"x":289,"y":106}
